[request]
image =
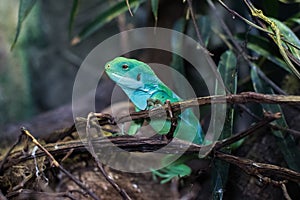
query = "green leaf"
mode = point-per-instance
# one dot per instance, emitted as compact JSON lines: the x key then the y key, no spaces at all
{"x":285,"y":142}
{"x":290,"y":36}
{"x":276,"y":36}
{"x":262,"y":47}
{"x":154,"y":5}
{"x":204,"y":24}
{"x":25,"y":7}
{"x":103,"y":18}
{"x":176,"y":44}
{"x":280,"y":29}
{"x":296,"y":20}
{"x":228,"y":71}
{"x":72,"y":15}
{"x":177,"y":62}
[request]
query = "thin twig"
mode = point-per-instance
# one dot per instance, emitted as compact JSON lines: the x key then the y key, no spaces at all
{"x":9,"y":151}
{"x":121,"y":191}
{"x":259,"y":169}
{"x":269,"y":118}
{"x":270,"y":82}
{"x":237,"y":46}
{"x":26,"y":193}
{"x":217,"y":145}
{"x":128,"y":6}
{"x":56,"y":164}
{"x":205,"y":50}
{"x":285,"y":192}
{"x":234,"y":13}
{"x":272,"y":126}
{"x":201,"y":43}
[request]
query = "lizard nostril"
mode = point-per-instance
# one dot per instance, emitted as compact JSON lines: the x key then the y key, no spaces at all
{"x":107,"y":66}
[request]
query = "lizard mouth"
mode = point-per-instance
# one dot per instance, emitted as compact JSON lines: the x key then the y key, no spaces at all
{"x":126,"y":81}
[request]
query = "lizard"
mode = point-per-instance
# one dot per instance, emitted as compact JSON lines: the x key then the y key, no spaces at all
{"x":144,"y":88}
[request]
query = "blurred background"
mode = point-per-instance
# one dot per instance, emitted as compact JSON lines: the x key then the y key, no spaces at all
{"x":51,"y":38}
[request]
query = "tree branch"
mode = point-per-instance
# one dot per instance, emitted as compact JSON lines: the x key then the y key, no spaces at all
{"x":242,"y":98}
{"x":131,"y":144}
{"x":260,"y":169}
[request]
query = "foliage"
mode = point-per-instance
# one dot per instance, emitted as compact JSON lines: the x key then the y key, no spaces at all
{"x":270,"y":47}
{"x":24,"y":10}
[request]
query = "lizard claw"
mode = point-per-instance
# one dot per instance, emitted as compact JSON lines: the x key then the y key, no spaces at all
{"x":152,"y":103}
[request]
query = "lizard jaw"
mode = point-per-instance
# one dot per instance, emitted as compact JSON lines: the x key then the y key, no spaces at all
{"x":126,"y":82}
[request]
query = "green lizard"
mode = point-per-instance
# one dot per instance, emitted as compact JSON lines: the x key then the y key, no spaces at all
{"x":141,"y":85}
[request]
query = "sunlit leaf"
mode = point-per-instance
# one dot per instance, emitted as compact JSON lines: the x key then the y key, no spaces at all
{"x":73,"y":14}
{"x":103,"y":18}
{"x":25,"y":7}
{"x":286,"y":142}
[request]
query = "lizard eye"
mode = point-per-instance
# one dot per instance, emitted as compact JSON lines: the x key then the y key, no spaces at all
{"x":125,"y":66}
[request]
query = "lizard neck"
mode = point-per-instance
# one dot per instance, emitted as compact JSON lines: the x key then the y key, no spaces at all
{"x":140,"y":95}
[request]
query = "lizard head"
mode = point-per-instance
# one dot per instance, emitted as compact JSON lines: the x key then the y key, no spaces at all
{"x":129,"y":73}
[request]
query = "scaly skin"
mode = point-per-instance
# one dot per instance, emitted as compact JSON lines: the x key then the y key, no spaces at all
{"x":141,"y":84}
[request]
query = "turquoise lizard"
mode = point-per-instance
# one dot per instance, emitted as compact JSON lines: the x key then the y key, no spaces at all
{"x":142,"y":86}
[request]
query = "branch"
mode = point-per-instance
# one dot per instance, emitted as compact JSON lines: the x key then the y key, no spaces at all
{"x":260,"y":169}
{"x":130,"y":144}
{"x":242,"y":98}
{"x":269,"y":118}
